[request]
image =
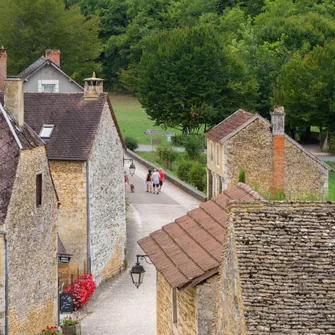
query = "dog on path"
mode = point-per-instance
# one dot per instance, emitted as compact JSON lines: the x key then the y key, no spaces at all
{"x":132,"y":188}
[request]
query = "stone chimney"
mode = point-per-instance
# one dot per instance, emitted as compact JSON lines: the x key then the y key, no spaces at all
{"x":93,"y":87}
{"x":53,"y":55}
{"x":14,"y":99}
{"x":278,"y":140}
{"x":3,"y":67}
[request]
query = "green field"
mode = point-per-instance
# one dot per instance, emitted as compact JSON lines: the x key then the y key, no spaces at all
{"x":133,"y":120}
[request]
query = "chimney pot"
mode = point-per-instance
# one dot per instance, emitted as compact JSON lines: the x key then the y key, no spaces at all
{"x":14,"y":99}
{"x":278,"y":120}
{"x":53,"y":55}
{"x":93,"y":87}
{"x":3,"y":67}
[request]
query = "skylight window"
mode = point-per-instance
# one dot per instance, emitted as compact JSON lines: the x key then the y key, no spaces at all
{"x":46,"y":130}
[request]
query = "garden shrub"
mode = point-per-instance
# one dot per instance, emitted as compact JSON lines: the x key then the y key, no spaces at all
{"x":193,"y":146}
{"x":166,"y":155}
{"x":183,"y":169}
{"x":197,"y":176}
{"x":178,"y":140}
{"x":131,"y":143}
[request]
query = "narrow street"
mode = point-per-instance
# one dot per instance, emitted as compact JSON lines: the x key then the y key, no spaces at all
{"x":117,"y":307}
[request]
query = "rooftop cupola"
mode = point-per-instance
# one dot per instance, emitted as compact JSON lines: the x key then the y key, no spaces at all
{"x":93,"y":87}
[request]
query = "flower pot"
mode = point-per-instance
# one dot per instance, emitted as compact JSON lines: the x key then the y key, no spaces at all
{"x":72,"y":330}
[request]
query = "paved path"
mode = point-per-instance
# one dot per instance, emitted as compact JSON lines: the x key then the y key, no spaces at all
{"x":117,"y":307}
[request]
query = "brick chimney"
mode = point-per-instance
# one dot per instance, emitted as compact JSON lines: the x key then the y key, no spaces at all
{"x":278,"y":140}
{"x":14,"y":99}
{"x":53,"y":55}
{"x":93,"y":87}
{"x":3,"y":67}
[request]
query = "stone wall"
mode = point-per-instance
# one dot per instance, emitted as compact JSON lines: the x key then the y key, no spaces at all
{"x":32,"y":248}
{"x":187,"y":312}
{"x":251,"y":150}
{"x":303,"y":175}
{"x":206,"y":293}
{"x":70,"y":181}
{"x":107,"y":200}
{"x":229,"y":317}
{"x":163,"y":306}
{"x":285,"y":258}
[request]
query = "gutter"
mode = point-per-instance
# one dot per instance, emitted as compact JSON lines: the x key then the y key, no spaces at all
{"x":88,"y":215}
{"x":6,"y":281}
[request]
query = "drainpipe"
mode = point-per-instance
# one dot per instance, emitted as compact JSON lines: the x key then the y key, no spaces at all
{"x":88,"y":214}
{"x":6,"y":281}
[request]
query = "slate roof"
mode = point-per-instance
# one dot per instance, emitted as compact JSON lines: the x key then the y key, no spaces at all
{"x":229,"y":125}
{"x":75,"y":119}
{"x":42,"y":61}
{"x":286,"y":262}
{"x":189,"y":250}
{"x":12,"y":140}
{"x":33,"y":67}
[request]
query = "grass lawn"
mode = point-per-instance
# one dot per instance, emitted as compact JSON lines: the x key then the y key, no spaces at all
{"x":133,"y":120}
{"x":331,"y":182}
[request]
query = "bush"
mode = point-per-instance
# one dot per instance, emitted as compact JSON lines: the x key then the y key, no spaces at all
{"x":166,"y":155}
{"x":241,"y":177}
{"x":131,"y":143}
{"x":83,"y":287}
{"x":193,"y":146}
{"x":178,"y":140}
{"x":197,"y":176}
{"x":183,"y":169}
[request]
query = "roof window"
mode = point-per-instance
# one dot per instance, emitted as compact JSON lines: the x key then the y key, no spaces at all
{"x":46,"y":130}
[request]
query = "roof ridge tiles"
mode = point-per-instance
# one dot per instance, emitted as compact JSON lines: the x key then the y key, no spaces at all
{"x":249,"y":190}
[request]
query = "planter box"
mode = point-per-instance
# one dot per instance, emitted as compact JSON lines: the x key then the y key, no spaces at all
{"x":72,"y":330}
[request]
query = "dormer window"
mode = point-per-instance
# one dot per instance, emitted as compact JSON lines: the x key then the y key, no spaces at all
{"x":46,"y":130}
{"x":48,"y":86}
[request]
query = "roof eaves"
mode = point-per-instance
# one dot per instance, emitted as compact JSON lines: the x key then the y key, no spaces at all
{"x":25,"y":78}
{"x":10,"y":125}
{"x":200,"y":279}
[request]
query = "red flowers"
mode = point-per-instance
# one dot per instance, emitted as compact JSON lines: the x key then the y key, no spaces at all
{"x":83,"y":287}
{"x":51,"y":330}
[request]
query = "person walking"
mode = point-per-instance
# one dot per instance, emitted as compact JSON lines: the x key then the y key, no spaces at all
{"x":148,"y":181}
{"x":161,"y":179}
{"x":126,"y":181}
{"x":155,"y":181}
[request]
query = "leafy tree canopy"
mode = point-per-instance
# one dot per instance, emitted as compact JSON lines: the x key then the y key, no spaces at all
{"x":186,"y":78}
{"x":29,"y":27}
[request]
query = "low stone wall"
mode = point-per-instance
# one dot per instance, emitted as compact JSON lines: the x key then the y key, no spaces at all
{"x":188,"y":189}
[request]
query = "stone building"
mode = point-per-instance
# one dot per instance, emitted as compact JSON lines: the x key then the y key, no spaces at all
{"x":272,"y":161}
{"x":44,"y":75}
{"x":28,"y":220}
{"x":277,"y":272}
{"x":187,"y":256}
{"x":85,"y":151}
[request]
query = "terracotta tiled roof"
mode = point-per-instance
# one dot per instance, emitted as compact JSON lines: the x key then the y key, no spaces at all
{"x":12,"y":140}
{"x":189,"y":250}
{"x":229,"y":125}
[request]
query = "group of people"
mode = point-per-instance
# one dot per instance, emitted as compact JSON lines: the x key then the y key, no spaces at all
{"x":154,"y":181}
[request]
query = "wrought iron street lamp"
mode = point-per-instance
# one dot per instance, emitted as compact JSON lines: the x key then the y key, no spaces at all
{"x":132,"y":166}
{"x":137,"y":271}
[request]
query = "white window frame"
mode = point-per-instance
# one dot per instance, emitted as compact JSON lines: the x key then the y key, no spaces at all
{"x":48,"y":82}
{"x":49,"y":126}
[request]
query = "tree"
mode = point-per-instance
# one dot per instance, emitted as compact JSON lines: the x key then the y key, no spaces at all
{"x":29,"y":27}
{"x":187,"y":79}
{"x":306,"y":88}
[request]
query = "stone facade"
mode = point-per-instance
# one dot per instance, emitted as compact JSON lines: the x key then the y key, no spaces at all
{"x":271,"y":162}
{"x":70,"y":181}
{"x":195,"y":307}
{"x":277,"y":275}
{"x":107,"y":202}
{"x":32,"y":247}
